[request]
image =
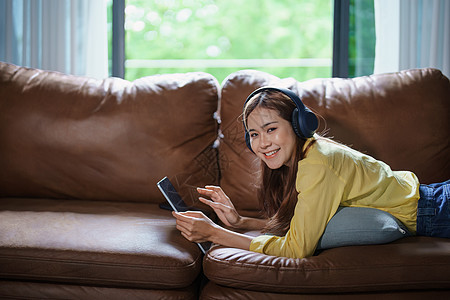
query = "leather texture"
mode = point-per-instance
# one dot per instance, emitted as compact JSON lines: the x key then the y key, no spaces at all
{"x":80,"y":158}
{"x":94,"y":243}
{"x":23,"y":290}
{"x":407,"y":264}
{"x":213,"y":291}
{"x":72,"y":137}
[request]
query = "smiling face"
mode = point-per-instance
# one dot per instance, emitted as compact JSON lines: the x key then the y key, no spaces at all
{"x":272,"y":137}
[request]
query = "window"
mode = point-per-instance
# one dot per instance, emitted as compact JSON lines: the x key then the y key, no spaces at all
{"x":361,"y":56}
{"x":287,"y":38}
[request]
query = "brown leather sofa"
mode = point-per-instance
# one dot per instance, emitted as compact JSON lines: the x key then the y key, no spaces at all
{"x":79,"y":207}
{"x":402,"y":119}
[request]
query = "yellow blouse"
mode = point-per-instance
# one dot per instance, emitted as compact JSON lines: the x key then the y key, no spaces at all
{"x":333,"y":175}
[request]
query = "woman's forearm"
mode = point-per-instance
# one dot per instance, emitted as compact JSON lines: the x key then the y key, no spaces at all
{"x":228,"y":238}
{"x":248,"y":223}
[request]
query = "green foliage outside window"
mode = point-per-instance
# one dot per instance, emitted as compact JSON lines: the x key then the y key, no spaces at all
{"x":361,"y":38}
{"x":229,"y":29}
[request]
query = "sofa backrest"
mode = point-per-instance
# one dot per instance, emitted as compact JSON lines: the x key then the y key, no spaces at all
{"x":78,"y":138}
{"x":401,"y":118}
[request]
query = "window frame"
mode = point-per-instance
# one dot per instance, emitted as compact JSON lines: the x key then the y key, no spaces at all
{"x":341,"y":26}
{"x":118,"y":39}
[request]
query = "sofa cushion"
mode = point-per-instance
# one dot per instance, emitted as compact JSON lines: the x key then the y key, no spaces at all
{"x":214,"y":291}
{"x":94,"y":243}
{"x":407,"y":264}
{"x":71,"y":137}
{"x":39,"y":290}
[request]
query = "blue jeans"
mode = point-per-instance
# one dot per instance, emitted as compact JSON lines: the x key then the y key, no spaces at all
{"x":433,"y":210}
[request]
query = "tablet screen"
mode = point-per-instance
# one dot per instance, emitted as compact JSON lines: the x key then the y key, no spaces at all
{"x":171,"y":195}
{"x":177,"y":204}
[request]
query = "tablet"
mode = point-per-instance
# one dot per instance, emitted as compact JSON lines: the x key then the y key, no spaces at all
{"x":177,"y":204}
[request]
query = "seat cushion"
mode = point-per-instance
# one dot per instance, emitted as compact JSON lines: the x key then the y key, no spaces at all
{"x":94,"y":243}
{"x":409,"y":263}
{"x":39,"y":290}
{"x":213,"y":291}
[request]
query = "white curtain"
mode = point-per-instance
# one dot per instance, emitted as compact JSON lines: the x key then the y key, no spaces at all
{"x":412,"y":34}
{"x":68,"y":36}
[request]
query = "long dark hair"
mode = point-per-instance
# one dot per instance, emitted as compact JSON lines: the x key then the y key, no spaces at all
{"x":277,"y":192}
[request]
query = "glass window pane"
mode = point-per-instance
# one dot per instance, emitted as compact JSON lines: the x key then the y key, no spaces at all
{"x":109,"y":24}
{"x":361,"y":45}
{"x":287,"y":38}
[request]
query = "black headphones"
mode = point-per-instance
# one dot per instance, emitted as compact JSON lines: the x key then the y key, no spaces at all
{"x":304,"y":121}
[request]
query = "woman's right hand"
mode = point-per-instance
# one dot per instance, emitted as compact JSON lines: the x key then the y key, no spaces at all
{"x":221,"y":204}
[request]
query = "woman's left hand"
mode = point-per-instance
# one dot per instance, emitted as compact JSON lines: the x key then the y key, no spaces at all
{"x":195,"y":226}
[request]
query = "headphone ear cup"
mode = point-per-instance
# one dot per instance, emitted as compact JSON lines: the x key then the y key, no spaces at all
{"x":309,"y":123}
{"x":295,"y":123}
{"x":304,"y":123}
{"x":247,"y":141}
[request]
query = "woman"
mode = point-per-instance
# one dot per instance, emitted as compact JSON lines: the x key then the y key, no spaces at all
{"x":305,"y":178}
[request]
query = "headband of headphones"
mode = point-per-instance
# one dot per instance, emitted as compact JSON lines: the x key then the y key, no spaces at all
{"x":304,"y":121}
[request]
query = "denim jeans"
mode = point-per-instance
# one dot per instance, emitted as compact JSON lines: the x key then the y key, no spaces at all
{"x":433,"y":210}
